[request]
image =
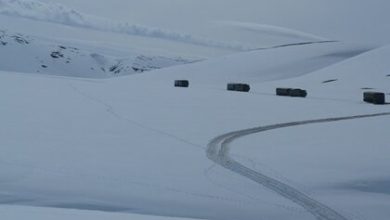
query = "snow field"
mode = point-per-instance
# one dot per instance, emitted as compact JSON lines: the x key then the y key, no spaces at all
{"x":77,"y":144}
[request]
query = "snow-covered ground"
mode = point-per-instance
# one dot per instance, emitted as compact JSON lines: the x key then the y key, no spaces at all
{"x":27,"y":54}
{"x":78,"y":143}
{"x":20,"y":212}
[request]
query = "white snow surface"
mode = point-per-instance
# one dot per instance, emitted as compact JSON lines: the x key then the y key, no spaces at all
{"x":22,"y":212}
{"x":78,"y":143}
{"x":57,"y":13}
{"x":273,"y":30}
{"x":347,"y":20}
{"x":21,"y":53}
{"x":140,"y":147}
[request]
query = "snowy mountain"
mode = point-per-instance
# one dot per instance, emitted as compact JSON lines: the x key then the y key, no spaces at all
{"x":35,"y":55}
{"x":92,"y":126}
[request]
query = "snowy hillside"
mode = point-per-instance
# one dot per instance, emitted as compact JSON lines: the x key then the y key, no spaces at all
{"x":261,"y":65}
{"x":92,"y":126}
{"x":21,"y":53}
{"x":345,"y":80}
{"x":17,"y":213}
{"x":57,"y":13}
{"x":348,"y":20}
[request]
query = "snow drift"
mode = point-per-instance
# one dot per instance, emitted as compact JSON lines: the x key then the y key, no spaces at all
{"x":57,"y":13}
{"x":21,"y":53}
{"x":273,"y":30}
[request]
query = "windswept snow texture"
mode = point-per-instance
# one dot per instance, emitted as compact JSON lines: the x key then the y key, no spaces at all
{"x":141,"y":147}
{"x":218,"y":151}
{"x":93,"y":146}
{"x":346,"y":80}
{"x":274,"y":31}
{"x":23,"y":212}
{"x":265,"y":65}
{"x":61,"y":14}
{"x":27,"y":54}
{"x":347,"y":20}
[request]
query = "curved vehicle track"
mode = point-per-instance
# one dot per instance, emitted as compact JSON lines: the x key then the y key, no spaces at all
{"x":218,"y":151}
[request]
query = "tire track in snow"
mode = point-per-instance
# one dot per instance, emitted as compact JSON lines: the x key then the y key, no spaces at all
{"x":218,"y":151}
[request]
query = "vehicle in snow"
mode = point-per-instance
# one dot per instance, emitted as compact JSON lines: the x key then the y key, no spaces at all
{"x":283,"y":91}
{"x":240,"y":87}
{"x":377,"y":98}
{"x":182,"y":83}
{"x":291,"y":92}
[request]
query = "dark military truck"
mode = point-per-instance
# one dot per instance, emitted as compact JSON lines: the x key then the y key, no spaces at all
{"x":182,"y":83}
{"x":239,"y":87}
{"x":377,"y":98}
{"x":298,"y":93}
{"x":283,"y":91}
{"x":291,"y":92}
